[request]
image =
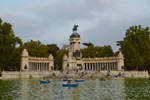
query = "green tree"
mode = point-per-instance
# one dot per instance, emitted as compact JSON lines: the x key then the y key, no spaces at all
{"x":97,"y":51}
{"x":59,"y":58}
{"x":52,"y":49}
{"x":107,"y":51}
{"x":36,"y":49}
{"x":8,"y":45}
{"x":136,"y":47}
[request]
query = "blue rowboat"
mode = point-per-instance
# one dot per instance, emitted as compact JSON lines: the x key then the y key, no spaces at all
{"x":79,"y":80}
{"x":44,"y":82}
{"x":67,"y":80}
{"x":70,"y":85}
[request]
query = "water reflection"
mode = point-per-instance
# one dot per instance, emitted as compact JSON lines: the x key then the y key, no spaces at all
{"x":137,"y":89}
{"x":26,"y":89}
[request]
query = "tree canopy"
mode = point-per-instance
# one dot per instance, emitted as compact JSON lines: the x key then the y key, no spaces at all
{"x":36,"y":48}
{"x":52,"y":49}
{"x":59,"y":58}
{"x":8,"y":46}
{"x":97,"y":51}
{"x":136,"y":47}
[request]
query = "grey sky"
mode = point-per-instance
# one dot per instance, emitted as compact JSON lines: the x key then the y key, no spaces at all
{"x":102,"y":22}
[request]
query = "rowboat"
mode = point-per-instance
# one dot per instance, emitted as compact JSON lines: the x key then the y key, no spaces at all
{"x":79,"y":80}
{"x":44,"y":82}
{"x":67,"y":80}
{"x":69,"y":84}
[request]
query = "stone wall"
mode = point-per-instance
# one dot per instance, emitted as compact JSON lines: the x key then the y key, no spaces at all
{"x":26,"y":74}
{"x":128,"y":74}
{"x":58,"y":74}
{"x":136,"y":74}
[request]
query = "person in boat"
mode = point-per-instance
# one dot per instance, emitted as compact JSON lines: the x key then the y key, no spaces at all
{"x":69,"y":82}
{"x":102,"y":78}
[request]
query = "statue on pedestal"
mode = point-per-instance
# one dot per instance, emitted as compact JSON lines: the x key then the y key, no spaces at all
{"x":75,"y":27}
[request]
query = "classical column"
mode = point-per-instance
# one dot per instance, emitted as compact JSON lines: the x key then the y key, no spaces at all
{"x":104,"y":66}
{"x":84,"y":66}
{"x":113,"y":65}
{"x":43,"y":65}
{"x":37,"y":67}
{"x":91,"y":66}
{"x":47,"y":67}
{"x":40,"y":66}
{"x":96,"y":66}
{"x":33,"y":66}
{"x":100,"y":66}
{"x":108,"y":66}
{"x":88,"y":66}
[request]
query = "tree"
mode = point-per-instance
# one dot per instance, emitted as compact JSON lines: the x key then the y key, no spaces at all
{"x":97,"y":51}
{"x":107,"y":51}
{"x":59,"y":58}
{"x":136,"y":47}
{"x":8,"y":43}
{"x":52,"y":49}
{"x":36,"y":49}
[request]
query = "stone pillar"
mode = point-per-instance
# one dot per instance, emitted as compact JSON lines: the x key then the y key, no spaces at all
{"x":38,"y":66}
{"x":93,"y":67}
{"x":51,"y":62}
{"x":24,"y":60}
{"x":84,"y":66}
{"x":120,"y":61}
{"x":88,"y":66}
{"x":64,"y":65}
{"x":108,"y":66}
{"x":100,"y":66}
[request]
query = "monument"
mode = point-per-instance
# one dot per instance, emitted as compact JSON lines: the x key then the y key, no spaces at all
{"x":74,"y":60}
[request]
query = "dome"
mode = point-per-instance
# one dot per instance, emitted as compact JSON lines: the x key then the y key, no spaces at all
{"x":75,"y":35}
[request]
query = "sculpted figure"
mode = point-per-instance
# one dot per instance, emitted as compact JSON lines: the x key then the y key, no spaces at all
{"x":75,"y":27}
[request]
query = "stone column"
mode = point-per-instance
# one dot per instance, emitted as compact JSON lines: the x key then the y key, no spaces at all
{"x":84,"y":66}
{"x":91,"y":66}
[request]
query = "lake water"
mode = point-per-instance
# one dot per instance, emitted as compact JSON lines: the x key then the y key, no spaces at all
{"x":31,"y":89}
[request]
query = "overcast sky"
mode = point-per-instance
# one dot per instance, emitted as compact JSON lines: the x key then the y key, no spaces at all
{"x":102,"y":22}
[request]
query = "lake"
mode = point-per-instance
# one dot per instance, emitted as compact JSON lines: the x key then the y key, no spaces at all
{"x":31,"y":89}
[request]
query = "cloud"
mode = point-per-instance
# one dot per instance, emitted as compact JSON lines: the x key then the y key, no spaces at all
{"x":100,"y":21}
